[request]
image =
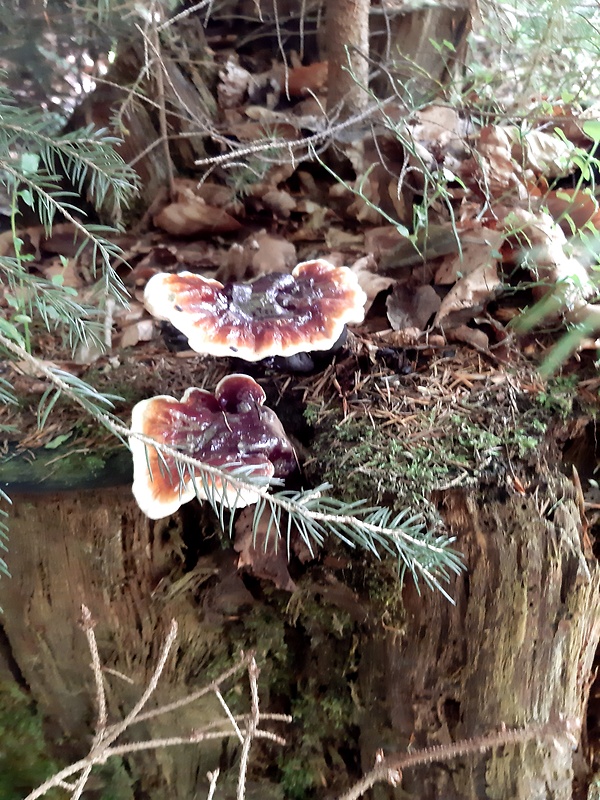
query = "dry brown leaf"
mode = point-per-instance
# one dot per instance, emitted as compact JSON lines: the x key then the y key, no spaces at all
{"x":127,"y":315}
{"x":371,"y":282}
{"x":69,"y":272}
{"x":190,"y":214}
{"x":472,"y":336}
{"x":478,"y":247}
{"x":259,"y":254}
{"x":494,"y":171}
{"x":337,"y":239}
{"x":262,"y":555}
{"x":573,"y":208}
{"x":468,"y":296}
{"x":409,"y":308}
{"x":303,"y":80}
{"x":381,"y":239}
{"x":234,"y":82}
{"x":558,"y":273}
{"x":280,"y":202}
{"x":439,"y":124}
{"x":142,"y":331}
{"x":544,"y":153}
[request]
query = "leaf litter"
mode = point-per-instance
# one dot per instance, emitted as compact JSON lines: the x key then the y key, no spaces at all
{"x":452,"y":227}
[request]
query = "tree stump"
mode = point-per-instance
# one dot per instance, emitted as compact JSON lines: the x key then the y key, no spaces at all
{"x":516,"y":649}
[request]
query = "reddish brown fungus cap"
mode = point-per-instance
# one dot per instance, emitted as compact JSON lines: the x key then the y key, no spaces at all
{"x":230,"y":429}
{"x":277,"y":315}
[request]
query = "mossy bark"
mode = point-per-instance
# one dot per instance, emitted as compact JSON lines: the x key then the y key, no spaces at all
{"x":516,"y":649}
{"x":360,"y":664}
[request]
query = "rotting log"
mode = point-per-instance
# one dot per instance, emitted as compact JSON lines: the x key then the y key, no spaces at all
{"x":97,"y":548}
{"x":516,"y":649}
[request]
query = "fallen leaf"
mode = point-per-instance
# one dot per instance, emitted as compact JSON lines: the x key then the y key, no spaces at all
{"x":573,"y":209}
{"x":190,"y":214}
{"x":68,"y":272}
{"x":304,"y":80}
{"x":381,"y":239}
{"x":142,"y":331}
{"x":438,"y":123}
{"x":472,"y":336}
{"x":494,"y":171}
{"x":259,"y":254}
{"x":371,"y":282}
{"x":233,"y":84}
{"x":478,"y":247}
{"x":280,"y":202}
{"x":468,"y":296}
{"x":262,"y":553}
{"x":411,"y":308}
{"x":545,"y":153}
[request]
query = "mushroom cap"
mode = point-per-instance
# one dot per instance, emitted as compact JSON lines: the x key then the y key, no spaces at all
{"x":231,"y":429}
{"x":276,"y":315}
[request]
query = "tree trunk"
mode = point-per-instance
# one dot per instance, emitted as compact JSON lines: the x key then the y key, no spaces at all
{"x":360,"y":669}
{"x":347,"y":30}
{"x":516,"y":649}
{"x":421,"y":51}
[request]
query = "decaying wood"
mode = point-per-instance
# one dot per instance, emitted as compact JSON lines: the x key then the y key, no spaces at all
{"x":406,"y":44}
{"x":97,"y":548}
{"x":183,"y":62}
{"x":516,"y":649}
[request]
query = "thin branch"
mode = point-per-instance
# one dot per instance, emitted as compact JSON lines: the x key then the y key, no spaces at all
{"x":102,"y":750}
{"x":389,"y":768}
{"x":213,"y":777}
{"x":252,"y":731}
{"x":101,"y":723}
{"x":116,"y":730}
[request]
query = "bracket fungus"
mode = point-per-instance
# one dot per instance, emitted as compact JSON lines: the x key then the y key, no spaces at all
{"x":230,"y":429}
{"x":276,"y":315}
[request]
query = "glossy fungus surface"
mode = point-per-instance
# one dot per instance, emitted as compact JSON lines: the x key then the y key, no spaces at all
{"x":230,"y":429}
{"x":277,"y":315}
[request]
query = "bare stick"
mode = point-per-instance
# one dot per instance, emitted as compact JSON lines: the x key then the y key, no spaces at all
{"x":213,"y":777}
{"x":160,"y":89}
{"x":116,"y":730}
{"x":389,"y":769}
{"x":88,"y":627}
{"x":253,"y":673}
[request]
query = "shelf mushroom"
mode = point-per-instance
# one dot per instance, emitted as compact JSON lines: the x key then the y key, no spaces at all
{"x":230,"y":429}
{"x":276,"y":315}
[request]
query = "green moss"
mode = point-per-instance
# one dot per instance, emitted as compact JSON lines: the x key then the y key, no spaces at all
{"x":24,"y":759}
{"x":559,"y":396}
{"x":401,"y":466}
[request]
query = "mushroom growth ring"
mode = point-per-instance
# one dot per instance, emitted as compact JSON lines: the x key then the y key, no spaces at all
{"x":276,"y":315}
{"x":230,"y":429}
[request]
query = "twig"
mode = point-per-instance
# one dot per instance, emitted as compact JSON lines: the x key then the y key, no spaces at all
{"x":101,"y":749}
{"x":213,"y":777}
{"x":227,"y":710}
{"x":251,"y":732}
{"x":160,"y":90}
{"x":116,"y":730}
{"x":88,"y":627}
{"x":389,"y":768}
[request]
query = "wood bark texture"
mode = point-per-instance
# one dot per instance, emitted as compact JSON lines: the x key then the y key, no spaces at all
{"x":405,"y":44}
{"x":516,"y":649}
{"x":347,"y":30}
